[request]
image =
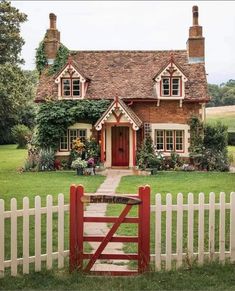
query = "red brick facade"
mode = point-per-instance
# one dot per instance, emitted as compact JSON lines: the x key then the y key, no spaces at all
{"x":166,"y":112}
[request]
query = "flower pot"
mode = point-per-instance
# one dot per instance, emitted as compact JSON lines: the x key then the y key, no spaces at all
{"x":79,"y":171}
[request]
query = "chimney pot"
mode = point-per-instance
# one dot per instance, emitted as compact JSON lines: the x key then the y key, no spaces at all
{"x":52,"y":18}
{"x":195,"y":15}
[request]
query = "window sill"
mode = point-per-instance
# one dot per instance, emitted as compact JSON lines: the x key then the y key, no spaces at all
{"x":62,"y":153}
{"x":170,"y":98}
{"x":70,"y":98}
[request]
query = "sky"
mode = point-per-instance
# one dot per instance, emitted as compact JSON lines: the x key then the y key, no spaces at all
{"x":135,"y":25}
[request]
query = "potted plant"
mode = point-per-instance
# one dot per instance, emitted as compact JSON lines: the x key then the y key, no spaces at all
{"x":90,"y":166}
{"x":79,"y":165}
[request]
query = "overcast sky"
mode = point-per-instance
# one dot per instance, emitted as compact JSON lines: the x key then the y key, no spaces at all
{"x":135,"y":25}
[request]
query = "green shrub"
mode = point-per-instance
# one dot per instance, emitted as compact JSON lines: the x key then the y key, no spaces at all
{"x":231,"y":138}
{"x":209,"y":149}
{"x":46,"y":160}
{"x":21,"y":134}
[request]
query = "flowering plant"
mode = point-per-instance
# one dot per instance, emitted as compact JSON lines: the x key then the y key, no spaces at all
{"x":78,"y":146}
{"x":91,"y":162}
{"x":78,"y":163}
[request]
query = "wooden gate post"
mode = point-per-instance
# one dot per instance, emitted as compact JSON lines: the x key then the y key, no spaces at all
{"x":144,"y":229}
{"x":72,"y":228}
{"x":80,"y":226}
{"x":76,"y":228}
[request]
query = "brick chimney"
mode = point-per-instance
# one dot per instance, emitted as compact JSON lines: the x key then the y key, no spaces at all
{"x":51,"y":40}
{"x":196,"y":42}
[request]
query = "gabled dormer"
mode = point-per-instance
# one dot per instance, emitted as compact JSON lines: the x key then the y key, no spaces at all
{"x":170,"y":82}
{"x":72,"y":84}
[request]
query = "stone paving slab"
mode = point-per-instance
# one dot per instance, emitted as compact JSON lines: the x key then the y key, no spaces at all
{"x":107,"y":187}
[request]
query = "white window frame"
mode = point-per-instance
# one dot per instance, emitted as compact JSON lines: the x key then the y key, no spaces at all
{"x":185,"y":128}
{"x":71,"y":88}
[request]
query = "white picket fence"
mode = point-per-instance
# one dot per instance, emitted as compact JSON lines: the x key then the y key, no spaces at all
{"x":167,"y":259}
{"x":190,"y":208}
{"x":37,"y":212}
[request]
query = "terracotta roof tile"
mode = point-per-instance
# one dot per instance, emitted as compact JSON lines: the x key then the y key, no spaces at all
{"x":128,"y":74}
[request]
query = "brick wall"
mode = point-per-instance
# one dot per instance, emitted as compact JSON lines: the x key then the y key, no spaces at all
{"x":167,"y":112}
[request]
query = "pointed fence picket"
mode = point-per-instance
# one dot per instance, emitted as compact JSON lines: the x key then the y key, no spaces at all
{"x":190,"y":254}
{"x":25,"y":213}
{"x":191,"y":220}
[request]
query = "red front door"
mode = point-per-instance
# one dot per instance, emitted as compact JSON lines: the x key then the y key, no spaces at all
{"x":120,"y":146}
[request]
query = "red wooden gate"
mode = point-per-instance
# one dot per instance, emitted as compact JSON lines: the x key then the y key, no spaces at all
{"x":77,"y":237}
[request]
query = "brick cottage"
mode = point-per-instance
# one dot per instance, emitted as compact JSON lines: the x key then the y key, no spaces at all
{"x":152,"y":92}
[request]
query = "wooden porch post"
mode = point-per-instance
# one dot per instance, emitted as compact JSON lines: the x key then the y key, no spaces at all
{"x":102,"y":158}
{"x":134,"y":146}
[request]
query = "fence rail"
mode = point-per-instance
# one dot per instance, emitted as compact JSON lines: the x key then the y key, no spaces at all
{"x":13,"y":214}
{"x":190,"y":209}
{"x":172,"y":221}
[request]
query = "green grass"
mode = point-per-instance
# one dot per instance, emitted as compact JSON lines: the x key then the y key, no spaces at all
{"x":16,"y":184}
{"x":175,"y":182}
{"x":224,"y":114}
{"x":13,"y":184}
{"x":209,"y":277}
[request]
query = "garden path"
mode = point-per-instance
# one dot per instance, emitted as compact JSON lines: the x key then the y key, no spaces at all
{"x":108,"y":187}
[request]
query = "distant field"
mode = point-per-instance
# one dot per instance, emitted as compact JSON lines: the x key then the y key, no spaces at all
{"x":225,"y":114}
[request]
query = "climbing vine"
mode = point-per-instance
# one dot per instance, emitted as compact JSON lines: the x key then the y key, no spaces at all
{"x":55,"y":117}
{"x":196,"y":135}
{"x":41,"y":60}
{"x":59,"y":62}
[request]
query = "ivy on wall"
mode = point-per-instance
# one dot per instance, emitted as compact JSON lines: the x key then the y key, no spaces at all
{"x":55,"y":117}
{"x":41,"y":60}
{"x":59,"y":62}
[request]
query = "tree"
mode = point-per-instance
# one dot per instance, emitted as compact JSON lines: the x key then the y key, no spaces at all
{"x":223,"y":94}
{"x":10,"y":40}
{"x":17,"y":87}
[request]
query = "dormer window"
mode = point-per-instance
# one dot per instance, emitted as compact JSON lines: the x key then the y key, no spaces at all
{"x":170,"y":87}
{"x":170,"y":83}
{"x":72,"y":84}
{"x":71,"y":87}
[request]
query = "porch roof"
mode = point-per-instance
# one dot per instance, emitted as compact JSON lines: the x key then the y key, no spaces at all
{"x":125,"y":109}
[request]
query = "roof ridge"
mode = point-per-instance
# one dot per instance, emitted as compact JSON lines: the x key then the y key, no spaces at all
{"x":144,"y":51}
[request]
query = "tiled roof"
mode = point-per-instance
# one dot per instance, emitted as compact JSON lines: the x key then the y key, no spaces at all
{"x":128,"y":74}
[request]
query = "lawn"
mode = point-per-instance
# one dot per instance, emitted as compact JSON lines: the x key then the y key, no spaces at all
{"x":175,"y":182}
{"x":14,"y":184}
{"x":224,"y":114}
{"x":209,"y":277}
{"x":17,"y":184}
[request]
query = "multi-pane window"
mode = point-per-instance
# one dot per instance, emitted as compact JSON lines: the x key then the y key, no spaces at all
{"x":147,"y":129}
{"x":66,"y":141}
{"x":76,"y":87}
{"x":169,"y":140}
{"x":66,"y":87}
{"x":170,"y":86}
{"x":166,"y":86}
{"x":159,"y":140}
{"x":70,"y":87}
{"x":178,"y":140}
{"x":72,"y":136}
{"x":175,"y":86}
